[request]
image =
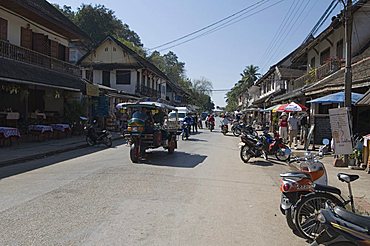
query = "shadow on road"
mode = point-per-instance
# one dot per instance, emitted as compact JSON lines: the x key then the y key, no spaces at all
{"x":30,"y":165}
{"x":196,"y":140}
{"x":177,"y":159}
{"x":268,"y":163}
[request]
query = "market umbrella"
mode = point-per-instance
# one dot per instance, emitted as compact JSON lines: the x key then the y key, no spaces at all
{"x":337,"y":98}
{"x":291,"y":107}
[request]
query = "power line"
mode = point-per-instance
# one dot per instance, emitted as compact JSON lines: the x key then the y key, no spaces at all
{"x":208,"y":26}
{"x":222,"y":26}
{"x":276,"y":35}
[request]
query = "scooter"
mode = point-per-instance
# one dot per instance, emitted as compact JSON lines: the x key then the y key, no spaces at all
{"x":211,"y":125}
{"x":294,"y":185}
{"x":94,"y":137}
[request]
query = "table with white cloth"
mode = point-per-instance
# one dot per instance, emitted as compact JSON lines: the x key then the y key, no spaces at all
{"x":61,"y":127}
{"x":8,"y":132}
{"x":40,"y":128}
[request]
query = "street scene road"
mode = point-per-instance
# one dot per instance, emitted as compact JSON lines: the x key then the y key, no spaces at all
{"x":200,"y":195}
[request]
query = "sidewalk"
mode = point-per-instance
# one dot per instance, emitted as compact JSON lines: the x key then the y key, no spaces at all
{"x":18,"y":153}
{"x":360,"y":187}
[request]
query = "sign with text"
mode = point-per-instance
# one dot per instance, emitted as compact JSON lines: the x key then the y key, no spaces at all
{"x":340,"y":129}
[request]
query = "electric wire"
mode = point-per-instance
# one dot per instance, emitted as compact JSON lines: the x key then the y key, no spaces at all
{"x":208,"y":26}
{"x":222,"y":26}
{"x":277,"y":33}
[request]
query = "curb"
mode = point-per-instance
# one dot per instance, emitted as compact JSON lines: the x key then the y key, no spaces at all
{"x":46,"y":154}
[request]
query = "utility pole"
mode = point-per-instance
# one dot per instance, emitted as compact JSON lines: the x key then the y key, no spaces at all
{"x":348,"y":68}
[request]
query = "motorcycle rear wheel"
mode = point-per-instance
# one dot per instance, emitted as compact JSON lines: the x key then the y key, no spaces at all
{"x":289,"y":219}
{"x":306,"y":211}
{"x":245,"y":155}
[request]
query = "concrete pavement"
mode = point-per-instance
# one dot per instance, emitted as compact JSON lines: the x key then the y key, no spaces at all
{"x":22,"y":152}
{"x":203,"y":194}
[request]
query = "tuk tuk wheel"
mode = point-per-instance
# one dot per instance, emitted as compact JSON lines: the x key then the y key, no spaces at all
{"x":171,"y":146}
{"x":134,"y":153}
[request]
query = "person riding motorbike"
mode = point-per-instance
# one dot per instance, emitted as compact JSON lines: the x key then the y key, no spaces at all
{"x":189,"y":121}
{"x":211,"y":121}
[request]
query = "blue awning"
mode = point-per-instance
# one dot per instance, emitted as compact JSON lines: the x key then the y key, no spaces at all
{"x":337,"y":98}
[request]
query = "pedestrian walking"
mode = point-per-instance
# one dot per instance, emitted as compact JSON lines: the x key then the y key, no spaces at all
{"x":283,"y":127}
{"x":293,"y":129}
{"x":195,"y":123}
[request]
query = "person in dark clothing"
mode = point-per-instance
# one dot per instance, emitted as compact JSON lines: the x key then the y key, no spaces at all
{"x":195,"y":123}
{"x":304,"y":129}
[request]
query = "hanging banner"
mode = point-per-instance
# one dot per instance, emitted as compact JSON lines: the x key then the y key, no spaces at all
{"x":340,"y":128}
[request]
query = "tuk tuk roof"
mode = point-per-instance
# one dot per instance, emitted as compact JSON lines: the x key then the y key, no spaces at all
{"x":147,"y":104}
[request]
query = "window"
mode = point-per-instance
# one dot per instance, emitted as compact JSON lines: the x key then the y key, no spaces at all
{"x":61,"y":52}
{"x":340,"y":49}
{"x":106,"y":49}
{"x":26,"y":38}
{"x":123,"y":77}
{"x":114,"y":49}
{"x":324,"y":56}
{"x":3,"y":29}
{"x":89,"y":75}
{"x":106,"y":78}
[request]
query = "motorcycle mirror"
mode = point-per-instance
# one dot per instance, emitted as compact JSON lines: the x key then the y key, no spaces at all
{"x":325,"y":141}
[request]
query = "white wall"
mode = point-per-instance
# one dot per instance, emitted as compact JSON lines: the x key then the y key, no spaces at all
{"x":15,"y":22}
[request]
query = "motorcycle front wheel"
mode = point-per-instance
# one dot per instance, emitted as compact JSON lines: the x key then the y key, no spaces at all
{"x":89,"y":141}
{"x":134,"y":153}
{"x":245,"y":154}
{"x":236,"y":132}
{"x":306,"y":211}
{"x":281,"y":153}
{"x":108,"y":142}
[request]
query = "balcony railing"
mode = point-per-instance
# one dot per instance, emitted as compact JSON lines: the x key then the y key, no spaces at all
{"x":147,"y":91}
{"x":319,"y":73}
{"x":21,"y":54}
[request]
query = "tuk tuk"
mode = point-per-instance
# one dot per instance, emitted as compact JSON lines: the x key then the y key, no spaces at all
{"x":149,"y":127}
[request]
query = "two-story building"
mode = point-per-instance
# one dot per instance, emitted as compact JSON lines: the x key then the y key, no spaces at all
{"x":36,"y":77}
{"x":116,"y":68}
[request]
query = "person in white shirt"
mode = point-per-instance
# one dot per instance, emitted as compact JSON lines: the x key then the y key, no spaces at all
{"x":293,"y":129}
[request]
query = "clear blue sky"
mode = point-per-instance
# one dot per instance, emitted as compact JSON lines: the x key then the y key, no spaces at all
{"x":220,"y":56}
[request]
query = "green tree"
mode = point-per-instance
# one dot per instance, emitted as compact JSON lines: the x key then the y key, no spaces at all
{"x":98,"y":22}
{"x":248,"y":78}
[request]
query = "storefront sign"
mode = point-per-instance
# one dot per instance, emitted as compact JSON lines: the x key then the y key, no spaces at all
{"x":341,"y":132}
{"x":92,"y":90}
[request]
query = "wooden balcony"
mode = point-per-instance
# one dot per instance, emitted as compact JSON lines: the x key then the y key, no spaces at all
{"x":21,"y":54}
{"x":147,"y":91}
{"x":320,"y":72}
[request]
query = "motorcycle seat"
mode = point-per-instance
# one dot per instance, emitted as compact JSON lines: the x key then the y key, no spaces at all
{"x":363,"y":221}
{"x":295,"y":175}
{"x":327,"y":188}
{"x":347,"y":177}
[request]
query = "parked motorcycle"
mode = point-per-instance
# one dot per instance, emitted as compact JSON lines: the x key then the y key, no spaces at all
{"x":275,"y":146}
{"x":251,"y":146}
{"x":224,"y":129}
{"x":185,"y":131}
{"x":94,"y":136}
{"x":236,"y":128}
{"x":342,"y":227}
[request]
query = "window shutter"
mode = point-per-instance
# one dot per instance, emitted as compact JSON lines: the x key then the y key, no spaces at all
{"x":26,"y":38}
{"x":66,"y":54}
{"x":3,"y":29}
{"x":54,"y":49}
{"x":40,"y":43}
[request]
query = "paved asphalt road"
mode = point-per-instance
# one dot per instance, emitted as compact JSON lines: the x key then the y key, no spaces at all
{"x":201,"y":195}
